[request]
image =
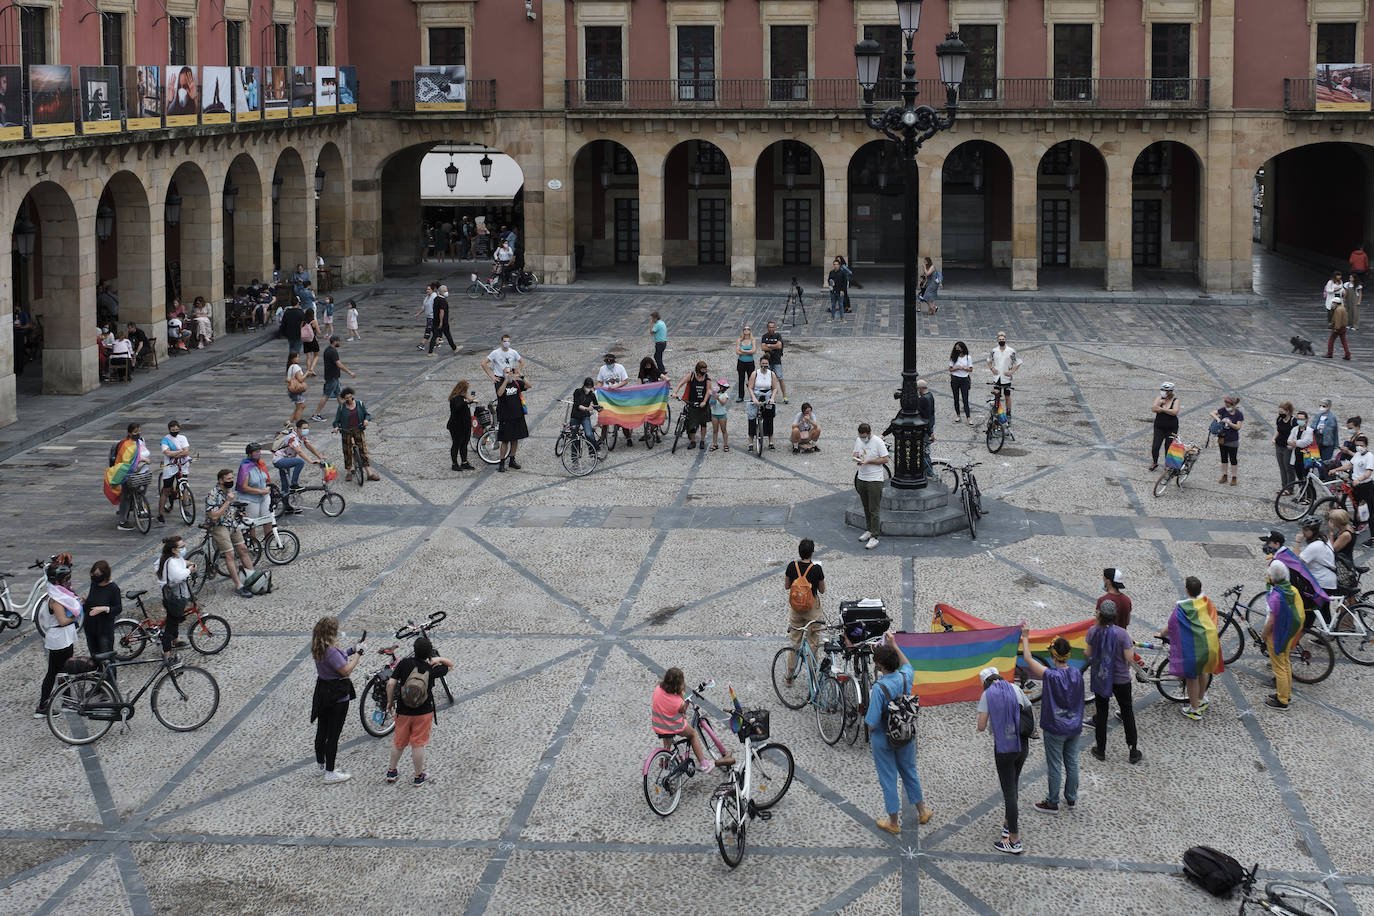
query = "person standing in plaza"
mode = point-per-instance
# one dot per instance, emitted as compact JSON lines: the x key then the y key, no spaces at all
{"x":1359,"y":263}
{"x":695,"y":390}
{"x":510,"y":415}
{"x":1112,"y":584}
{"x":720,"y":415}
{"x":746,"y":348}
{"x":333,"y":692}
{"x":58,"y":615}
{"x":291,"y":321}
{"x":296,"y":387}
{"x":130,"y":457}
{"x":870,"y":454}
{"x":1332,"y":291}
{"x":427,"y":309}
{"x":1362,"y":479}
{"x":931,"y":281}
{"x":413,"y":700}
{"x":1109,"y":650}
{"x":804,"y":581}
{"x":176,"y":455}
{"x":103,"y":606}
{"x":1230,"y":418}
{"x":173,"y":577}
{"x":925,"y":406}
{"x":838,"y":281}
{"x":1282,"y":627}
{"x":310,"y":341}
{"x":1340,"y":321}
{"x":333,"y":374}
{"x":1326,"y":430}
{"x":1003,"y":363}
{"x":502,"y":358}
{"x":1000,"y":709}
{"x":1165,"y":410}
{"x":960,"y":365}
{"x":1283,"y":454}
{"x":1300,"y":437}
{"x":441,"y":316}
{"x":460,"y":401}
{"x":1354,"y":295}
{"x":659,"y":330}
{"x":219,"y":503}
{"x":895,"y":677}
{"x":1061,"y":719}
{"x":351,"y":320}
{"x":1194,"y":650}
{"x":762,"y":408}
{"x":771,"y":347}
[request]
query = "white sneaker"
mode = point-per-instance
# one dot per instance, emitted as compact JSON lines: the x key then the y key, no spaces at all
{"x":337,"y":776}
{"x":872,"y":542}
{"x":865,"y":536}
{"x":319,"y":769}
{"x":706,"y":766}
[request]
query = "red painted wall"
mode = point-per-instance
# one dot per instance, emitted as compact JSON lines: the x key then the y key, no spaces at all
{"x":384,"y":37}
{"x":505,"y":46}
{"x":1275,"y":39}
{"x":1025,"y":56}
{"x":1122,"y":40}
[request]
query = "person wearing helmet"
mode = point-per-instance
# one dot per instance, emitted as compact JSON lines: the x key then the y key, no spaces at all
{"x":253,"y":484}
{"x":720,"y":414}
{"x":1165,"y":409}
{"x":58,"y":617}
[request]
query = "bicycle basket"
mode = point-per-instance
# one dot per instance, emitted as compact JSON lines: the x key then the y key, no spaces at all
{"x":864,"y":620}
{"x":482,"y":415}
{"x":752,"y":724}
{"x":139,"y":480}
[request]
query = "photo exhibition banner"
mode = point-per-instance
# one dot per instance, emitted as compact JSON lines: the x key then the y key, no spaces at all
{"x":11,"y":103}
{"x":247,"y":94}
{"x":144,"y":96}
{"x":52,"y":100}
{"x":441,"y":89}
{"x":102,"y":108}
{"x":348,"y":89}
{"x":1343,"y":87}
{"x":276,"y":92}
{"x":303,"y":92}
{"x":326,"y":90}
{"x":183,"y":100}
{"x":216,"y":95}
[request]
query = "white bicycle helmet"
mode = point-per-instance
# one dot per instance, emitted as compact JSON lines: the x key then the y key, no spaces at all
{"x":1167,"y":386}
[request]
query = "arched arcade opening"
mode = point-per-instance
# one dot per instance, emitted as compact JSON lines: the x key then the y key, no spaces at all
{"x":605,"y":208}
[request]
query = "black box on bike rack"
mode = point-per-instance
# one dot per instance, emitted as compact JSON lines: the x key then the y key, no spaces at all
{"x":864,"y":619}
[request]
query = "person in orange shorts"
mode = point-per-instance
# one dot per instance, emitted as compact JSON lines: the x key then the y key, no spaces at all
{"x":410,"y":691}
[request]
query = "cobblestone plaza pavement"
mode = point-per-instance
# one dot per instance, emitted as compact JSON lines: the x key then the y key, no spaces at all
{"x":567,"y":597}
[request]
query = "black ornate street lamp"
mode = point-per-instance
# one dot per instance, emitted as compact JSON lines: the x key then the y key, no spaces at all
{"x":231,"y":196}
{"x":173,"y":205}
{"x":104,"y":223}
{"x":451,"y":173}
{"x":319,"y":179}
{"x":24,"y":234}
{"x":485,"y":165}
{"x":909,"y":126}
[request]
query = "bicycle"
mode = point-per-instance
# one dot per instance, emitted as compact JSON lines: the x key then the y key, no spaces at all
{"x":764,"y":410}
{"x":1313,"y":496}
{"x":359,"y":465}
{"x":1282,"y":898}
{"x":208,"y":633}
{"x":181,"y":492}
{"x":668,"y":767}
{"x":488,"y":444}
{"x":1340,"y":622}
{"x":331,"y":504}
{"x":822,"y":687}
{"x":960,"y":481}
{"x":378,"y":721}
{"x":679,"y":429}
{"x":856,"y":688}
{"x":12,"y":613}
{"x":1311,"y":657}
{"x":998,"y":428}
{"x":138,"y":484}
{"x":525,"y":280}
{"x":579,"y":453}
{"x":95,"y":697}
{"x":735,"y":800}
{"x":1155,"y":670}
{"x":1177,"y":474}
{"x":493,"y":286}
{"x":281,"y":545}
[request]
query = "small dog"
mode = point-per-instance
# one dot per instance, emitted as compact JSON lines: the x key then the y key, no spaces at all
{"x":1301,"y":345}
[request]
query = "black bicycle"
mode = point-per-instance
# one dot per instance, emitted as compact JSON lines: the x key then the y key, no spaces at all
{"x":998,"y":429}
{"x":82,"y":709}
{"x":378,"y":721}
{"x":960,"y":480}
{"x":680,"y":428}
{"x":331,"y":504}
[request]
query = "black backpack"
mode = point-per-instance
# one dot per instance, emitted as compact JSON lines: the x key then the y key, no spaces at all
{"x":1215,"y":872}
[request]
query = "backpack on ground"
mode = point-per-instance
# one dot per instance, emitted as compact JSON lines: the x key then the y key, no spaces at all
{"x":1215,"y":872}
{"x":415,"y":688}
{"x":801,"y":595}
{"x":260,"y":582}
{"x":899,"y":717}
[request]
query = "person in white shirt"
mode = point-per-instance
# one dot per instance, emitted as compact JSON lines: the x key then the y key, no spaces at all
{"x":1362,"y":478}
{"x":173,"y":577}
{"x":611,"y":374}
{"x":960,"y":365}
{"x":806,"y":429}
{"x":501,"y":261}
{"x":1299,"y":438}
{"x":870,"y":454}
{"x":763,"y":395}
{"x":1318,"y":555}
{"x":1333,"y":290}
{"x":502,"y":358}
{"x":58,"y":616}
{"x":1003,"y":363}
{"x":176,"y":459}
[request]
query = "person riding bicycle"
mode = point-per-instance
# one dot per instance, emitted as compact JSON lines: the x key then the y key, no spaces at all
{"x":288,"y":460}
{"x":176,"y":452}
{"x":584,"y":404}
{"x":695,"y":392}
{"x":1003,"y":363}
{"x":763,"y":392}
{"x":252,"y":484}
{"x":219,"y":506}
{"x":350,"y":422}
{"x":669,"y":718}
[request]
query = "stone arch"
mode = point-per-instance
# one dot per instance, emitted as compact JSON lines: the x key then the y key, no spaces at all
{"x":1071,"y":204}
{"x":876,"y":199}
{"x":292,"y":222}
{"x":605,"y":205}
{"x":976,"y":191}
{"x":1291,"y":192}
{"x":697,"y":199}
{"x":331,"y":206}
{"x":248,"y":230}
{"x":125,"y":259}
{"x":1166,"y":206}
{"x":789,"y":203}
{"x":193,"y":251}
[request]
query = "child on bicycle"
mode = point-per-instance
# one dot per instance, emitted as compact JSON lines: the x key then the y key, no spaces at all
{"x":670,"y":716}
{"x":720,"y":414}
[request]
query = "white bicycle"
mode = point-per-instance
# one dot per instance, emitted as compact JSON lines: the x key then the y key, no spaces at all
{"x":739,"y":800}
{"x":12,"y":613}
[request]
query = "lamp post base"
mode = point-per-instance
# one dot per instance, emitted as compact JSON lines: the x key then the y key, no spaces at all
{"x":925,"y":513}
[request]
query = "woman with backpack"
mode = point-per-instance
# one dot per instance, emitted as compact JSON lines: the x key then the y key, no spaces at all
{"x":1061,"y":719}
{"x":1000,"y":706}
{"x":333,"y":691}
{"x":59,"y":616}
{"x":411,"y":690}
{"x":893,"y":762}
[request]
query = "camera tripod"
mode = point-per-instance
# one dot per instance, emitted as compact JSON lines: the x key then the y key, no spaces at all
{"x":795,"y":303}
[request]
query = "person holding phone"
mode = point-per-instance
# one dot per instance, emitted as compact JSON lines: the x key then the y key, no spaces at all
{"x":333,"y":692}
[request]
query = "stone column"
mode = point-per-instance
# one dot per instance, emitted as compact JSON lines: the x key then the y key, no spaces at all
{"x":836,"y":229}
{"x":9,"y":407}
{"x":651,"y":221}
{"x":202,"y":246}
{"x":295,"y":213}
{"x":364,"y":264}
{"x":142,"y":282}
{"x":71,"y":363}
{"x":554,"y":15}
{"x":1227,"y":215}
{"x":552,"y":256}
{"x":743,"y":227}
{"x":396,"y":209}
{"x":333,"y":209}
{"x":930,"y":201}
{"x":1025,"y":228}
{"x":252,"y":233}
{"x":1119,"y":194}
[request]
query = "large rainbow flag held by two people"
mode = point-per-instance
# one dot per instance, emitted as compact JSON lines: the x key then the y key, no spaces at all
{"x":1194,"y":649}
{"x":631,"y":406}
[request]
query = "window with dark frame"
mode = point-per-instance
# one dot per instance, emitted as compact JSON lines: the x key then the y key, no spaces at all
{"x":622,"y":163}
{"x":112,"y":39}
{"x":281,"y":44}
{"x":696,"y":63}
{"x":980,"y":67}
{"x":602,"y":47}
{"x":176,"y":40}
{"x":889,"y":39}
{"x":788,"y":62}
{"x":323,"y":43}
{"x":33,"y":40}
{"x":1170,"y":67}
{"x":233,"y":43}
{"x":1336,"y":43}
{"x":1073,"y":61}
{"x":448,"y":47}
{"x":710,"y":160}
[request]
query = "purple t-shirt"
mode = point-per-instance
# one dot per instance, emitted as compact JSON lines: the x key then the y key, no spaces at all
{"x":328,"y":668}
{"x":1108,"y":666}
{"x":1230,"y":436}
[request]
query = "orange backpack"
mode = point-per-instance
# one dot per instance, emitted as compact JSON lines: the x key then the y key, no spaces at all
{"x":801,"y":596}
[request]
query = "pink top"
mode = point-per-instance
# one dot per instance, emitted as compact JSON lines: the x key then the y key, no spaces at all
{"x":667,"y":714}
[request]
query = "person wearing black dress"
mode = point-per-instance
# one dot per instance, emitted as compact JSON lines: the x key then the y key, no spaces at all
{"x":103,"y":608}
{"x":510,"y":415}
{"x":460,"y":425}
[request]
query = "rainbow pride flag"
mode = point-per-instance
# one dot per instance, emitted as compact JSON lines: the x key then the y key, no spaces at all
{"x":1002,"y":411}
{"x":1311,"y":456}
{"x":1193,"y":646}
{"x":946,"y":665}
{"x":1173,"y":458}
{"x":126,"y":456}
{"x":631,"y":406}
{"x":1075,"y":633}
{"x":1289,"y":615}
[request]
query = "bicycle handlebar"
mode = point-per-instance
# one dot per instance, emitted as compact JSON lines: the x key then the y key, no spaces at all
{"x":1233,"y":590}
{"x":811,"y":623}
{"x":412,"y":629}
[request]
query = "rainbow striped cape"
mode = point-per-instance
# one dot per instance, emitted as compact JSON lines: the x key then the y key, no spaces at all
{"x":1285,"y":604}
{"x":631,"y":406}
{"x":126,"y":455}
{"x":1075,"y":633}
{"x":1193,"y":646}
{"x":946,"y":665}
{"x":1173,"y":458}
{"x":1296,"y":567}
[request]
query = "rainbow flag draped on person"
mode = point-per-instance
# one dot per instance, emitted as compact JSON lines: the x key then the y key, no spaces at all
{"x":1075,"y":633}
{"x":1296,"y":567}
{"x":1194,"y":649}
{"x":946,"y":665}
{"x":631,"y":406}
{"x":1173,"y":458}
{"x":1285,"y":604}
{"x":126,"y":455}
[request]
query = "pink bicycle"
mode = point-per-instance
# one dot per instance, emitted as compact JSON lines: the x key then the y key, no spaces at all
{"x":668,"y":768}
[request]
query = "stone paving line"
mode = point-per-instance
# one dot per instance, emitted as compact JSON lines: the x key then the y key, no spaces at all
{"x":479,"y":522}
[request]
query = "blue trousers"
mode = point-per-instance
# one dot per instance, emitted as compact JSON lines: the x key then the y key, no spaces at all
{"x":893,"y":765}
{"x":293,"y":465}
{"x":836,"y":300}
{"x":1061,"y":758}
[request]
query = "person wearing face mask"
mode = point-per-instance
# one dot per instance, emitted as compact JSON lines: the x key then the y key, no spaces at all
{"x":584,"y":406}
{"x":695,"y":392}
{"x":1230,"y":418}
{"x":1283,"y":427}
{"x":1318,"y":555}
{"x":288,"y":460}
{"x":1165,"y":409}
{"x":129,"y":456}
{"x":1112,"y":584}
{"x":1003,"y":363}
{"x":252,"y":485}
{"x":173,"y":577}
{"x":59,"y":615}
{"x":762,"y":402}
{"x":870,"y":454}
{"x":183,"y":101}
{"x":1299,"y":438}
{"x":510,"y":414}
{"x":219,"y":504}
{"x":333,"y":691}
{"x":1324,"y":427}
{"x":103,"y":607}
{"x":1282,"y":628}
{"x":501,"y":359}
{"x":1362,"y":478}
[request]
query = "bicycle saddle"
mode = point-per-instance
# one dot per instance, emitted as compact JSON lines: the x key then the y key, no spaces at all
{"x":132,"y":595}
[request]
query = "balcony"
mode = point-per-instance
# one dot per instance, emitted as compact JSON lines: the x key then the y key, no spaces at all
{"x":1022,"y":95}
{"x":1304,"y":94}
{"x":481,"y":95}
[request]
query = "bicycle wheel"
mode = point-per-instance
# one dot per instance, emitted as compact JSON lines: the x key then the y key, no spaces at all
{"x":500,"y":290}
{"x":1312,"y":658}
{"x":524,"y":282}
{"x":730,"y":823}
{"x":189,"y":702}
{"x":377,"y":722}
{"x":1257,"y":609}
{"x":948,"y":474}
{"x":830,"y":709}
{"x":1162,"y":483}
{"x":610,"y":435}
{"x":333,"y":504}
{"x":560,"y":444}
{"x":209,"y":634}
{"x":129,"y":639}
{"x":1297,"y":901}
{"x":1359,"y":649}
{"x":581,"y":457}
{"x":1171,"y":688}
{"x":359,"y":472}
{"x":996,"y":435}
{"x":790,"y":678}
{"x":678,"y":430}
{"x":65,"y":717}
{"x":853,"y":716}
{"x":200,"y":572}
{"x":1292,"y":502}
{"x":187,"y":501}
{"x":488,"y":448}
{"x":282,"y":546}
{"x":143,"y":517}
{"x":667,"y":420}
{"x":474,"y":290}
{"x":773,"y":769}
{"x":971,"y":514}
{"x":662,"y":782}
{"x":973,"y":488}
{"x":1230,"y":638}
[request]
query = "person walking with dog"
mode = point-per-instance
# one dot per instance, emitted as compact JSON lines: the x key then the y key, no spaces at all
{"x":1340,"y":322}
{"x":1230,"y":419}
{"x":1165,"y":408}
{"x":410,"y":691}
